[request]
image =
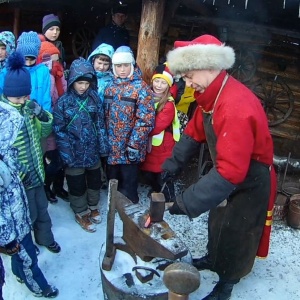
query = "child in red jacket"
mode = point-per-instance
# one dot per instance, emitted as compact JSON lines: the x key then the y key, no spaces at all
{"x":164,"y":134}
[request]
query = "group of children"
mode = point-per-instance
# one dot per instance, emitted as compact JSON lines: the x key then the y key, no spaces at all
{"x":105,"y":120}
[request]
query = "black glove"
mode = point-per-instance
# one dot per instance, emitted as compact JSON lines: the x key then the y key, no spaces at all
{"x":36,"y":110}
{"x":133,"y":154}
{"x":175,"y":209}
{"x":27,"y":180}
{"x":12,"y":248}
{"x":166,"y":176}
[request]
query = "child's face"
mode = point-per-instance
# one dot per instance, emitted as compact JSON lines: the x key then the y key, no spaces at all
{"x":52,"y":33}
{"x":119,"y":19}
{"x":29,"y":61}
{"x":17,"y":100}
{"x":2,"y":52}
{"x":81,"y":86}
{"x":159,"y":85}
{"x":101,"y":65}
{"x":123,"y":70}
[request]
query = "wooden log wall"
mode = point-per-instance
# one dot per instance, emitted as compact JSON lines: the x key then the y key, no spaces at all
{"x":276,"y":54}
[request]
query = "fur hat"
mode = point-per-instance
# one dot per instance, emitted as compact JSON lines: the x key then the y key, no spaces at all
{"x":123,"y":55}
{"x":47,"y":49}
{"x":29,"y":44}
{"x":49,"y":21}
{"x":203,"y":53}
{"x":17,"y":81}
{"x":162,"y":71}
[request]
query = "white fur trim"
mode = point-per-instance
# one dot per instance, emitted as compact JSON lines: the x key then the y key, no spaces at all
{"x":122,"y":58}
{"x":200,"y":57}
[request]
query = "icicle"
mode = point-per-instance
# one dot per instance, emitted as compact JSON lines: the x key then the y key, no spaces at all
{"x":214,"y":2}
{"x":246,"y":4}
{"x":283,"y":4}
{"x":228,"y":2}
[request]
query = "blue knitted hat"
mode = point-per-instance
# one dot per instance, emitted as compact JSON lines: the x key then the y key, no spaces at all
{"x":29,"y":44}
{"x":17,"y":81}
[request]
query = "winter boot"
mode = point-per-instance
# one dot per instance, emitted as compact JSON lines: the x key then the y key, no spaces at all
{"x":84,"y":220}
{"x":49,"y":292}
{"x":54,"y":247}
{"x":203,"y":263}
{"x":95,"y":216}
{"x":221,"y":291}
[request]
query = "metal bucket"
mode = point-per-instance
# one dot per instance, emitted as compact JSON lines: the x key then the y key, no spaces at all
{"x":291,"y":188}
{"x":293,"y":217}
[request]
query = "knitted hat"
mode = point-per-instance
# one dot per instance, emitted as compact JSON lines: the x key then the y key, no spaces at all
{"x":49,"y":21}
{"x":119,"y":9}
{"x":29,"y":44}
{"x":203,"y":53}
{"x":162,"y":71}
{"x":47,"y":49}
{"x":85,"y":77}
{"x":123,"y":55}
{"x":7,"y":38}
{"x":17,"y":81}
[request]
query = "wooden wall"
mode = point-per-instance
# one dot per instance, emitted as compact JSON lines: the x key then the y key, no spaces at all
{"x":276,"y":54}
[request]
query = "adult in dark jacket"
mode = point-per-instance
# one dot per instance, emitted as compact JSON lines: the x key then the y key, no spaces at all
{"x":237,"y":190}
{"x":114,"y":34}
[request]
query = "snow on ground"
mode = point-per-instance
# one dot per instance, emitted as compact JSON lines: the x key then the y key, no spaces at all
{"x":76,"y":270}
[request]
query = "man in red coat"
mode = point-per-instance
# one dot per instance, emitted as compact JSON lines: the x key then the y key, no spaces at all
{"x":231,"y":120}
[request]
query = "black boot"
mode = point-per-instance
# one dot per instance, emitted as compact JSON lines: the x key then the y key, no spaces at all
{"x":221,"y":291}
{"x":203,"y":263}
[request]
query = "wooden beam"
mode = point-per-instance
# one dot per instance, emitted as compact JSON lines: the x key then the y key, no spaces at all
{"x":149,"y":36}
{"x":16,"y":28}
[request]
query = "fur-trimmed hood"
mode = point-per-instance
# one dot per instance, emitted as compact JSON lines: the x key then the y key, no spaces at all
{"x":203,"y":53}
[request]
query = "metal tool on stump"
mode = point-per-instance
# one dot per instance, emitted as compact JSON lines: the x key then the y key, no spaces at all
{"x":181,"y":279}
{"x":110,"y":252}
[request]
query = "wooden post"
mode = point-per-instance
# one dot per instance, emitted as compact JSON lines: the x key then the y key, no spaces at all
{"x":16,"y":25}
{"x":149,"y":36}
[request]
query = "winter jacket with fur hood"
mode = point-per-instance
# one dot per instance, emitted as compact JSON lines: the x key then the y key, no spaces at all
{"x":79,"y":125}
{"x":15,"y":223}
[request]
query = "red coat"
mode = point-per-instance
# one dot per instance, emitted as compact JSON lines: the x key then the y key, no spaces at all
{"x":240,"y":126}
{"x":159,"y":154}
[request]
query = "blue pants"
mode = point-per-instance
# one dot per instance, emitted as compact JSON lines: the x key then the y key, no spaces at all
{"x":25,"y":266}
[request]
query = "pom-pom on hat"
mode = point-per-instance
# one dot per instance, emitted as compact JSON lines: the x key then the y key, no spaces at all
{"x":203,"y":53}
{"x":29,"y":44}
{"x":17,"y":81}
{"x":49,"y":21}
{"x":162,"y":71}
{"x":123,"y":55}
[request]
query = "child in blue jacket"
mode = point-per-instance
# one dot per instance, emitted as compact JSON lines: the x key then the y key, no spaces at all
{"x":81,"y":139}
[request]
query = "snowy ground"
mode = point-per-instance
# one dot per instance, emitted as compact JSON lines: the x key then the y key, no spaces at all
{"x":76,"y":272}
